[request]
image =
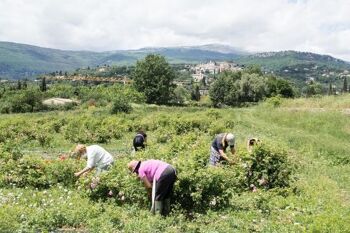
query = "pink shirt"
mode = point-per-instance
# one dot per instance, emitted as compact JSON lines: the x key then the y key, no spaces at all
{"x":152,"y":169}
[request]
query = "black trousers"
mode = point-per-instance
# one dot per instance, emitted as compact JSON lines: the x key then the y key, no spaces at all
{"x":165,"y":184}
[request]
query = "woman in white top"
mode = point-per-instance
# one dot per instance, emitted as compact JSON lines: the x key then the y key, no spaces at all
{"x":97,"y":157}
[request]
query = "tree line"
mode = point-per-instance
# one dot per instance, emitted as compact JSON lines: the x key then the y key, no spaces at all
{"x":153,"y":83}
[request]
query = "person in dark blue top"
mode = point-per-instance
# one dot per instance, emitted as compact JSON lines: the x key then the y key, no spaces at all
{"x":219,"y":146}
{"x":140,"y":140}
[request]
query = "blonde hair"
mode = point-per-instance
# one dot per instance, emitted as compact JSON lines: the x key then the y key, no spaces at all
{"x":79,"y":150}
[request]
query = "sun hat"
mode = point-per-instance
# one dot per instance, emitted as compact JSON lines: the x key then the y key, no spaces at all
{"x":134,"y":165}
{"x":230,"y":138}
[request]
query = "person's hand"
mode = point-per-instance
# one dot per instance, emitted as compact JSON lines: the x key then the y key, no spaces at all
{"x":149,"y":193}
{"x":263,"y":181}
{"x":93,"y":185}
{"x":231,"y":162}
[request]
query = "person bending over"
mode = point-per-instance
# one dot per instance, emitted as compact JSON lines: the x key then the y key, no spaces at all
{"x":159,"y":178}
{"x":219,"y":146}
{"x":140,"y":140}
{"x":97,"y":158}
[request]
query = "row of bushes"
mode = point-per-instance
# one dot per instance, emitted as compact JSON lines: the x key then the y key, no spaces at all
{"x":93,"y":128}
{"x":198,"y":187}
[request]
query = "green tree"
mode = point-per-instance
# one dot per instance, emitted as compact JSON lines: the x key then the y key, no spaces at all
{"x":180,"y":95}
{"x":25,"y":85}
{"x":121,"y":104}
{"x":19,"y":85}
{"x":254,"y":69}
{"x":43,"y":87}
{"x":195,"y":94}
{"x":330,"y":89}
{"x":345,"y":85}
{"x":250,"y":88}
{"x":27,"y":101}
{"x":278,"y":86}
{"x":313,"y":88}
{"x":154,"y":77}
{"x":219,"y":90}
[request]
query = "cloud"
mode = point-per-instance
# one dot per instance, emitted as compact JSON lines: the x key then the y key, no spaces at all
{"x":319,"y":26}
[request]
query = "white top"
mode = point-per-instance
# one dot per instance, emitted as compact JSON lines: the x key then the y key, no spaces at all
{"x":97,"y":156}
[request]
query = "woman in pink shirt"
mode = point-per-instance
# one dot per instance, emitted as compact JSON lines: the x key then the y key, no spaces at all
{"x":158,"y":177}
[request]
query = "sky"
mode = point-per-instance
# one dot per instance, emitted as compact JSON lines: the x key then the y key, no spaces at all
{"x":320,"y":26}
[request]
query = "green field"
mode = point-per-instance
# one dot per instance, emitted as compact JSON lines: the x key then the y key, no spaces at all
{"x":46,"y":198}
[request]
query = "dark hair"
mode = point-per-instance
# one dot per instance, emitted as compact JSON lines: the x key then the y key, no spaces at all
{"x":252,"y":141}
{"x":136,"y":170}
{"x":142,"y":132}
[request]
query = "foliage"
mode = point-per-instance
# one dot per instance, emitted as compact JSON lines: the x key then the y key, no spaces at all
{"x":10,"y":151}
{"x":121,"y":104}
{"x":237,"y":88}
{"x":37,"y":173}
{"x":268,"y":167}
{"x":312,"y":89}
{"x":39,"y":192}
{"x":195,"y":94}
{"x":88,"y":130}
{"x":28,"y":100}
{"x":154,"y":76}
{"x":180,"y":96}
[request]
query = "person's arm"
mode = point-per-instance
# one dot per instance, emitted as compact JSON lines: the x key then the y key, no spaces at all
{"x":223,"y":155}
{"x":148,"y":185}
{"x":89,"y":166}
{"x":85,"y":170}
{"x":233,"y":150}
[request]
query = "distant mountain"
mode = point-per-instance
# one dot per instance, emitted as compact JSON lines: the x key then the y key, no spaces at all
{"x":299,"y":66}
{"x":20,"y":60}
{"x":278,"y":60}
{"x":216,"y":48}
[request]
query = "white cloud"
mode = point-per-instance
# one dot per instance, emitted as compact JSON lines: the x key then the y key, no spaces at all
{"x":320,"y":26}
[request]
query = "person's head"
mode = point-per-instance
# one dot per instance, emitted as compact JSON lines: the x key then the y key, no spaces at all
{"x":141,"y":131}
{"x":251,"y":143}
{"x":230,"y":139}
{"x":134,"y":165}
{"x":79,"y":151}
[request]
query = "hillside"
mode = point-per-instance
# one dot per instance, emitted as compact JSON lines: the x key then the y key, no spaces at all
{"x":19,"y":60}
{"x":298,"y":66}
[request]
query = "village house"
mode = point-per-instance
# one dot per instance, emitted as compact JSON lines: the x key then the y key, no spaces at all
{"x":203,"y":70}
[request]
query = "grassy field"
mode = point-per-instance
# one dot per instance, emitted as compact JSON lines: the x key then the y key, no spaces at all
{"x":317,"y":141}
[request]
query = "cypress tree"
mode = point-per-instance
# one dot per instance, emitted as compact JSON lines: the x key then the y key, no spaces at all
{"x":19,"y":85}
{"x":43,"y":85}
{"x":330,"y":89}
{"x":25,"y":84}
{"x":345,"y":85}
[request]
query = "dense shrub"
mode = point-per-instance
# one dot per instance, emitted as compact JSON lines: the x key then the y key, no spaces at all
{"x":10,"y":151}
{"x":268,"y":167}
{"x":37,"y":173}
{"x":87,"y":130}
{"x":207,"y":188}
{"x":121,"y":104}
{"x":241,"y":88}
{"x":125,"y":186}
{"x":28,"y":100}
